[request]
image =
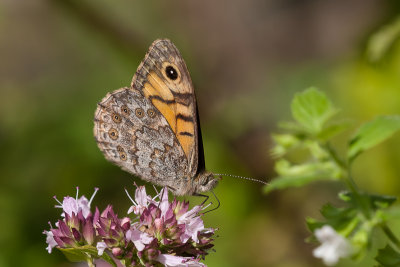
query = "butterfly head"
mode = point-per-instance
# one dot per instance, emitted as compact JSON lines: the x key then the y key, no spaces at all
{"x":204,"y":182}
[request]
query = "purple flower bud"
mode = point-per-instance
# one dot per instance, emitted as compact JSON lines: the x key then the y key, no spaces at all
{"x":88,"y":232}
{"x":117,"y":252}
{"x":126,"y":223}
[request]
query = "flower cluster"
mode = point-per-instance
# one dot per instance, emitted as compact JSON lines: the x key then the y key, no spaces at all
{"x":160,"y":232}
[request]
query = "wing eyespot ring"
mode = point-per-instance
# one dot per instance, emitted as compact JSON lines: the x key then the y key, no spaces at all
{"x":113,"y":133}
{"x":116,"y":118}
{"x":171,"y":72}
{"x":125,"y":110}
{"x":151,"y":113}
{"x":139,"y":112}
{"x":122,"y":156}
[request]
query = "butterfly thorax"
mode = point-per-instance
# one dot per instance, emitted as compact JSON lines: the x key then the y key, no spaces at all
{"x":203,"y":182}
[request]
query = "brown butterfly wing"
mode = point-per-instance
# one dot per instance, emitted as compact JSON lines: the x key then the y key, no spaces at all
{"x":164,"y":80}
{"x":131,"y":133}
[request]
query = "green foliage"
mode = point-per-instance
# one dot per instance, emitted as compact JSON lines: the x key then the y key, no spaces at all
{"x":312,"y":132}
{"x":85,"y":254}
{"x":311,"y":109}
{"x":380,"y":42}
{"x":388,"y":257}
{"x":372,"y":133}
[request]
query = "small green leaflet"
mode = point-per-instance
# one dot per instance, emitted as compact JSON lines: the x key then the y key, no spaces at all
{"x":312,"y":109}
{"x":372,"y":133}
{"x":82,"y":254}
{"x":388,"y":257}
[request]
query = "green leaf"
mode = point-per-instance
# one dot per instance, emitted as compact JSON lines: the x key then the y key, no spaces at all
{"x":298,"y":175}
{"x":282,"y":182}
{"x":381,"y":41}
{"x":289,"y":181}
{"x":373,"y":200}
{"x":344,"y":220}
{"x":313,"y":224}
{"x":372,"y":133}
{"x":108,"y":259}
{"x":392,"y":213}
{"x":333,"y":129}
{"x":74,"y":255}
{"x":283,"y":143}
{"x":388,"y":257}
{"x":323,"y":169}
{"x":312,"y":109}
{"x":82,"y":254}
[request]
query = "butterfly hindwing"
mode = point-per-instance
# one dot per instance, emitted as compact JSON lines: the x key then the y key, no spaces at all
{"x":134,"y":135}
{"x":165,"y":81}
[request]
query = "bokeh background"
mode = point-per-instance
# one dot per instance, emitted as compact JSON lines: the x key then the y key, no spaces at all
{"x":58,"y":58}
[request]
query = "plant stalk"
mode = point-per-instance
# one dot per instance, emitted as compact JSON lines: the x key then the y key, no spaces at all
{"x":391,"y":235}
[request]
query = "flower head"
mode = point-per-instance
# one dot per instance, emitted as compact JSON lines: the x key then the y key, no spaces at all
{"x":160,"y":232}
{"x":333,"y":245}
{"x":166,"y":230}
{"x":76,"y":227}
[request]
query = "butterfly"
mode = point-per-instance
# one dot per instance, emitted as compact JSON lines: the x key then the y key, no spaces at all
{"x":152,"y":129}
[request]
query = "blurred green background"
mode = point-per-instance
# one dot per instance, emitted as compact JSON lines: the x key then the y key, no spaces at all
{"x":247,"y":59}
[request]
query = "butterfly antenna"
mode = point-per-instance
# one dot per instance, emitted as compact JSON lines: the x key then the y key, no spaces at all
{"x":242,"y":177}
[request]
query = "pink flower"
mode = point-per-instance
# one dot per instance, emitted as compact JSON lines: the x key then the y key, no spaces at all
{"x":171,"y":260}
{"x":159,"y":232}
{"x":74,"y":205}
{"x":140,"y":239}
{"x":50,"y":240}
{"x":141,"y":201}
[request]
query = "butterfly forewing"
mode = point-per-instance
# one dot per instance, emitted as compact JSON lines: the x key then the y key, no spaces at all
{"x":164,"y":80}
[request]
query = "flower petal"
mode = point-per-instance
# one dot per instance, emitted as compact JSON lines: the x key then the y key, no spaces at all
{"x":50,"y":240}
{"x":171,"y":260}
{"x":101,"y":246}
{"x":333,"y":245}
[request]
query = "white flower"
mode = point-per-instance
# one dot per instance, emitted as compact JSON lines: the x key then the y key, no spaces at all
{"x":140,"y":239}
{"x":50,"y":240}
{"x":170,"y":260}
{"x":333,"y":245}
{"x":101,"y":246}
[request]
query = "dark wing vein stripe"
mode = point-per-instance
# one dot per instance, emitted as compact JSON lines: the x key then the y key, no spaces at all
{"x":157,"y":97}
{"x":182,"y":95}
{"x":185,"y":133}
{"x":184,"y":117}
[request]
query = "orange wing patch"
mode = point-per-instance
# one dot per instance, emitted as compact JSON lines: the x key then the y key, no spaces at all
{"x":177,"y":111}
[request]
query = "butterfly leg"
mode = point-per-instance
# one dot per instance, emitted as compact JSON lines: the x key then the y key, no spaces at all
{"x":206,"y":198}
{"x":201,"y":195}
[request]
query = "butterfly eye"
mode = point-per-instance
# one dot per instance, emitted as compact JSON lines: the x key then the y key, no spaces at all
{"x":113,"y":133}
{"x":116,"y":118}
{"x":139,"y":112}
{"x":171,"y":72}
{"x":125,"y":110}
{"x":151,"y":113}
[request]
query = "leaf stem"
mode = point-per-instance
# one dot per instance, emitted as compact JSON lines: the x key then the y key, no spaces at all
{"x":348,"y":179}
{"x":391,"y":235}
{"x":90,"y":262}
